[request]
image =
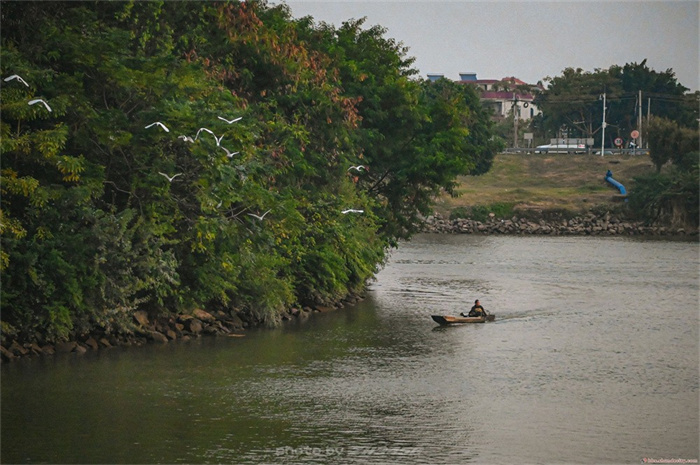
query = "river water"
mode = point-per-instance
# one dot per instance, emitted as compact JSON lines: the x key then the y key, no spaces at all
{"x":593,"y":358}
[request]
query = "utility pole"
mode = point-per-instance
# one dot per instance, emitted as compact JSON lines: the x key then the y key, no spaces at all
{"x":648,"y":114}
{"x":639,"y":123}
{"x":602,"y":139}
{"x":515,"y":121}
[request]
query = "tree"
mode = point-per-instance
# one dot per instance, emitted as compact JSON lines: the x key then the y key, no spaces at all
{"x":414,"y":136}
{"x":573,"y":100}
{"x":672,"y":196}
{"x":104,"y":212}
{"x":669,"y":99}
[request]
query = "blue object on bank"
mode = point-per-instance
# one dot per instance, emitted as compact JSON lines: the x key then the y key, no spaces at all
{"x":620,"y":187}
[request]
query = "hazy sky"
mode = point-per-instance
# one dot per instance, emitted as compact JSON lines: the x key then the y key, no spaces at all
{"x":529,"y":39}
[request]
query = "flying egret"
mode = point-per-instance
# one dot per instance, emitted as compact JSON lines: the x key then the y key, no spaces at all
{"x":203,"y":129}
{"x":218,"y":139}
{"x":259,"y":217}
{"x":158,"y":123}
{"x":170,"y":178}
{"x":357,"y":168}
{"x":38,"y":100}
{"x":228,"y":152}
{"x":230,"y":121}
{"x":186,"y":138}
{"x":351,"y":210}
{"x":17,"y":77}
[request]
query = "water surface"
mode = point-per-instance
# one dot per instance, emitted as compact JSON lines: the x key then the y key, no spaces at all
{"x":593,"y":359}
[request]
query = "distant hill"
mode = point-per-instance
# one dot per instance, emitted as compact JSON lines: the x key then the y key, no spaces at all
{"x":553,"y":182}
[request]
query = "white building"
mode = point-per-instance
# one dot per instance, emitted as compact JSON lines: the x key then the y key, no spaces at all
{"x":502,"y":95}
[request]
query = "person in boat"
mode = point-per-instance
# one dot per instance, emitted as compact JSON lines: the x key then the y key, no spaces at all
{"x":476,"y":311}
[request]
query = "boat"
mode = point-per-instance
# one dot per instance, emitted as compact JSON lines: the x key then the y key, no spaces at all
{"x":455,"y":320}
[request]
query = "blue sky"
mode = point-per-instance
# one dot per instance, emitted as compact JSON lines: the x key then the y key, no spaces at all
{"x":529,"y":39}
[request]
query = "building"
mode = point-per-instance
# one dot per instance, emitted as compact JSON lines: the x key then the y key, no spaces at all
{"x":502,"y":95}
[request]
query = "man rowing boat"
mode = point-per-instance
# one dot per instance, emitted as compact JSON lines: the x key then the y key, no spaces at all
{"x":476,"y":311}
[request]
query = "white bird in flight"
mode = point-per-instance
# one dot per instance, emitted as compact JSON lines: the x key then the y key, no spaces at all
{"x":203,"y":129}
{"x":259,"y":217}
{"x":230,"y":121}
{"x":351,"y":210}
{"x":218,"y":139}
{"x":186,"y":138}
{"x":17,"y":77}
{"x":358,"y":168}
{"x":38,"y":100}
{"x":170,"y":178}
{"x":228,"y":152}
{"x":158,"y":123}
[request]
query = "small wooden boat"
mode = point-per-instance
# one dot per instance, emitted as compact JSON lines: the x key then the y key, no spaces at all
{"x":454,"y":320}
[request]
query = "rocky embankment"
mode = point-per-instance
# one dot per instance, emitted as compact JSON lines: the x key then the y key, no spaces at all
{"x":157,"y":330}
{"x":586,"y":225}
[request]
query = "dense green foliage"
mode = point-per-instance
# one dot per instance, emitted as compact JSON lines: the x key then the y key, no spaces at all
{"x":573,"y":102}
{"x":671,"y":196}
{"x":95,"y":226}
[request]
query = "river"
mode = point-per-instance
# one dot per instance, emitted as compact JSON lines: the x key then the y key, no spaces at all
{"x":593,"y":358}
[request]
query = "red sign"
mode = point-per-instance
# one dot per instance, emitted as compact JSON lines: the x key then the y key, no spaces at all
{"x":635,"y":134}
{"x":618,"y":141}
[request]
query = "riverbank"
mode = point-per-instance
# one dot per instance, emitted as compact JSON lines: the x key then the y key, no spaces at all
{"x":570,"y":183}
{"x":590,"y":224}
{"x":200,"y":323}
{"x":160,"y":330}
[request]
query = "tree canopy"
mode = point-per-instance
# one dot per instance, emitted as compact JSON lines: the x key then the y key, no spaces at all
{"x":171,"y":155}
{"x":573,"y":101}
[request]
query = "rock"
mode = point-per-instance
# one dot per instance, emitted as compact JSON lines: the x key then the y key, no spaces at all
{"x":105,"y":343}
{"x":141,"y":317}
{"x":171,"y":334}
{"x":92,"y":343}
{"x":17,"y":349}
{"x":194,"y":326}
{"x":65,"y":347}
{"x":35,"y":349}
{"x":236,"y":320}
{"x":6,"y":355}
{"x":79,"y":349}
{"x":158,"y":337}
{"x":210,"y":330}
{"x":203,"y":316}
{"x":162,"y":326}
{"x":48,"y":350}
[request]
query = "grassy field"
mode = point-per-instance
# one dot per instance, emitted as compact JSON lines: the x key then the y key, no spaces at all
{"x":573,"y":183}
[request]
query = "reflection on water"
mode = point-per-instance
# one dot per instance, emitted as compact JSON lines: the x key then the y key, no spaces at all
{"x":593,"y":359}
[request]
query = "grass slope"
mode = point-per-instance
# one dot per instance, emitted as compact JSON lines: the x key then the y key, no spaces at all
{"x":573,"y":183}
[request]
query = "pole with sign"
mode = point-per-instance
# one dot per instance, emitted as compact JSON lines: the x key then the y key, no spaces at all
{"x":635,"y":136}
